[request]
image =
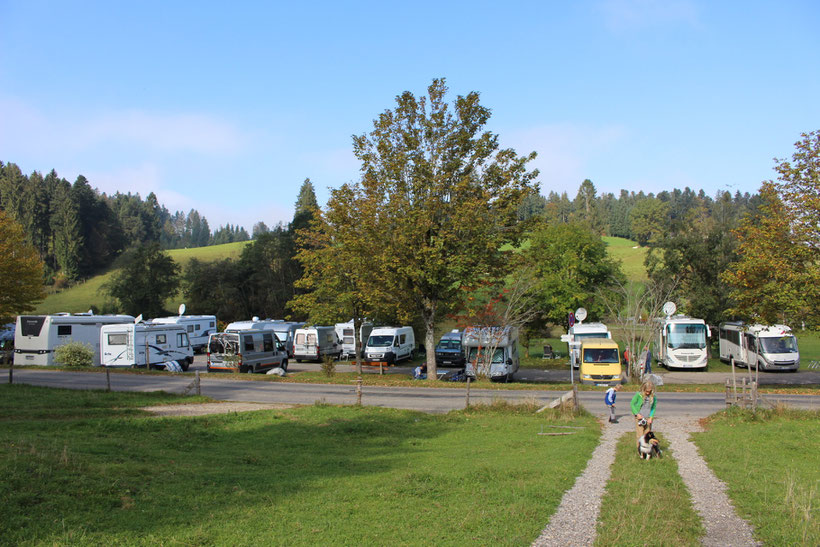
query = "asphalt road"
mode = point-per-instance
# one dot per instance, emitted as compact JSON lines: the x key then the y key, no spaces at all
{"x":232,"y":388}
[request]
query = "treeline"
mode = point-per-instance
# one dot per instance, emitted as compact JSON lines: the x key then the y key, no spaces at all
{"x":79,"y":231}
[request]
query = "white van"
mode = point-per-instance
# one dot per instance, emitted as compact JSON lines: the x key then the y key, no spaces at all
{"x":245,"y":351}
{"x":198,"y":327}
{"x":145,"y":345}
{"x":314,"y":343}
{"x":345,"y":333}
{"x":578,"y":333}
{"x":492,"y":351}
{"x":37,"y":336}
{"x":390,"y":345}
{"x":771,"y":347}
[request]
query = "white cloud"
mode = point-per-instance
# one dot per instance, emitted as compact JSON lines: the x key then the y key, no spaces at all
{"x":624,"y":15}
{"x":565,"y":151}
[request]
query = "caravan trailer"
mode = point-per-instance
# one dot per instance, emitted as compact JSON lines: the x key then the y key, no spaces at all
{"x":37,"y":336}
{"x":198,"y":327}
{"x":493,"y":351}
{"x":768,"y":347}
{"x":680,"y":342}
{"x":145,"y":345}
{"x":345,"y":333}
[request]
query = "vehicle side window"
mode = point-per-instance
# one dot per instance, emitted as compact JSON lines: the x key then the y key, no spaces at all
{"x":267,"y":342}
{"x":190,"y":328}
{"x":212,"y":324}
{"x":249,"y":343}
{"x":182,"y":340}
{"x":63,"y":330}
{"x":402,"y":339}
{"x":161,"y":339}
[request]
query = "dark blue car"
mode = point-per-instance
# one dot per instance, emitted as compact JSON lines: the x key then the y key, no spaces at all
{"x":449,"y":351}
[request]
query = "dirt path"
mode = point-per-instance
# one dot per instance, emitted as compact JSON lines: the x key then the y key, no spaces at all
{"x":209,"y":408}
{"x":576,"y":519}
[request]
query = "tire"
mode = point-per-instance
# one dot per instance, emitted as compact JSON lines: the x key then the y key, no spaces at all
{"x":247,"y":368}
{"x":298,"y":360}
{"x":284,"y":365}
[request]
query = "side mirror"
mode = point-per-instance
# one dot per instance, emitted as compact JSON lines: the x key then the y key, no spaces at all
{"x":509,"y":362}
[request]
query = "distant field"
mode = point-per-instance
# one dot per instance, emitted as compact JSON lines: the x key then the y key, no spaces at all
{"x":630,"y":255}
{"x":81,"y":297}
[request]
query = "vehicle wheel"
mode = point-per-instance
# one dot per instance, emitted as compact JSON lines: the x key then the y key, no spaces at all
{"x":285,"y":365}
{"x":510,"y":377}
{"x":185,"y":364}
{"x":298,"y":360}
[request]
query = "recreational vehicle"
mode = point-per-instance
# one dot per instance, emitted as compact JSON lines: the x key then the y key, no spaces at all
{"x":492,"y":352}
{"x":345,"y":333}
{"x":37,"y":336}
{"x":245,"y":351}
{"x":580,"y":332}
{"x":680,"y":342}
{"x":314,"y":343}
{"x":198,"y":327}
{"x":286,"y":331}
{"x":253,"y":324}
{"x":449,"y":350}
{"x":145,"y":345}
{"x":600,"y":362}
{"x":389,"y":345}
{"x":767,"y":347}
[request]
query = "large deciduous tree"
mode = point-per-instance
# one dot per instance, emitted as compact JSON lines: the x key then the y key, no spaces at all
{"x":21,"y":271}
{"x":147,"y":279}
{"x":437,"y":200}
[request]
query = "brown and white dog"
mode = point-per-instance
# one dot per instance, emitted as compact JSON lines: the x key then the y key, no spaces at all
{"x":648,"y":446}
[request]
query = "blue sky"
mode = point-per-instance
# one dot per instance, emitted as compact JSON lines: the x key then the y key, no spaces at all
{"x":228,"y":108}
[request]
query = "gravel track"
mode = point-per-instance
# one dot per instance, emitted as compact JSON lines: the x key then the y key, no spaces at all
{"x":575,"y":521}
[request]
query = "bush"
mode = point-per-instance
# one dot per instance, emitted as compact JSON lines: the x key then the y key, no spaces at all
{"x":329,"y":366}
{"x":74,"y":354}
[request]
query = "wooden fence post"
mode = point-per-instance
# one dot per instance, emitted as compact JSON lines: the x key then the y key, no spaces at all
{"x":198,"y":388}
{"x":467,"y":405}
{"x":107,"y":379}
{"x":11,"y":371}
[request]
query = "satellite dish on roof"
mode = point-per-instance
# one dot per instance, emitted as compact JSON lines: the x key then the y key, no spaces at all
{"x":580,"y":314}
{"x":669,"y":309}
{"x":181,"y":309}
{"x":138,"y":319}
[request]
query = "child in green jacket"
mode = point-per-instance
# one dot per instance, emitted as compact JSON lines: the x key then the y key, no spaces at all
{"x":643,"y":408}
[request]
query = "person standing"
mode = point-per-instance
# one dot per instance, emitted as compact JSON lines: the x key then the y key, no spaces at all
{"x":643,"y":408}
{"x":609,"y":399}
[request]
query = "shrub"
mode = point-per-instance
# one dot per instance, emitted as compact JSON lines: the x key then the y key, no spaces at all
{"x":74,"y":354}
{"x":329,"y":366}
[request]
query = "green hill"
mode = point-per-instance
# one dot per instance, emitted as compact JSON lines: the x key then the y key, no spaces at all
{"x":82,"y":296}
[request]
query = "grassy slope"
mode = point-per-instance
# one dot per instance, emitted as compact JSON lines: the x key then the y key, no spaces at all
{"x":630,"y":255}
{"x":84,"y":295}
{"x":319,"y":475}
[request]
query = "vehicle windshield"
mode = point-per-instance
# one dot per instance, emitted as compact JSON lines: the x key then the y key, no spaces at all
{"x":782,"y":344}
{"x":380,"y":341}
{"x":282,"y":335}
{"x":600,"y":355}
{"x":474,"y":355}
{"x":449,"y":345}
{"x":587,"y":335}
{"x":683,"y":336}
{"x":224,"y":343}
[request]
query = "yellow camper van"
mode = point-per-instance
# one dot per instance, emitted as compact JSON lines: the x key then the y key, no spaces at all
{"x":600,"y":362}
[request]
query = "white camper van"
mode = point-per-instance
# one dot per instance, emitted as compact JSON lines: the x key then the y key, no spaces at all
{"x":582,"y":331}
{"x":145,"y":345}
{"x":680,"y":342}
{"x":314,"y":343}
{"x":37,"y":336}
{"x":198,"y":327}
{"x":492,"y":351}
{"x":245,"y":351}
{"x":345,"y":333}
{"x":390,"y":345}
{"x":767,"y":347}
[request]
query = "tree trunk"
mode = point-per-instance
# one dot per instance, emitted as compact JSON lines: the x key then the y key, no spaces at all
{"x":429,"y":316}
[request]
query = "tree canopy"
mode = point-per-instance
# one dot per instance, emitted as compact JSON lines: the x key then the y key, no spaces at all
{"x":21,"y":272}
{"x":147,"y":279}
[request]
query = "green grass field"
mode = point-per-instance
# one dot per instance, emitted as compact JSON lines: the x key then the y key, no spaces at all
{"x":630,"y":255}
{"x":769,"y":461}
{"x":91,"y":468}
{"x":81,"y":297}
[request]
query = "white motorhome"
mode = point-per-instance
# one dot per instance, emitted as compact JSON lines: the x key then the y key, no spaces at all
{"x":314,"y":343}
{"x":771,"y":347}
{"x":390,"y":345}
{"x":37,"y":336}
{"x":245,"y":351}
{"x":579,"y":332}
{"x":681,"y":342}
{"x":253,"y":324}
{"x":198,"y":327}
{"x":145,"y":345}
{"x":345,"y":333}
{"x":492,"y":351}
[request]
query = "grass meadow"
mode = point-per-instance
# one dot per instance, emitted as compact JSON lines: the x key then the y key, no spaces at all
{"x":769,"y":461}
{"x":646,"y":502}
{"x":91,"y":468}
